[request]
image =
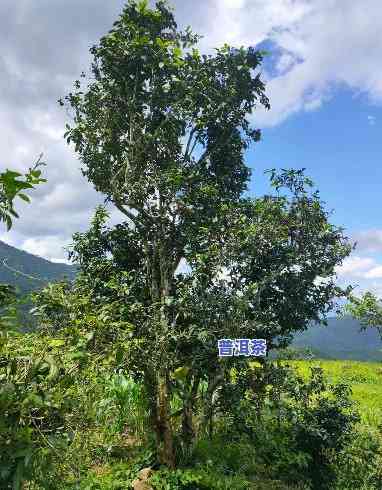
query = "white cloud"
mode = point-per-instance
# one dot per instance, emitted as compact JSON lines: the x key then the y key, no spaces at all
{"x":363,"y":272}
{"x":374,"y":273}
{"x":371,"y":120}
{"x":248,"y":23}
{"x":314,"y":33}
{"x":233,"y":4}
{"x":50,"y":247}
{"x":355,"y":266}
{"x":368,"y":240}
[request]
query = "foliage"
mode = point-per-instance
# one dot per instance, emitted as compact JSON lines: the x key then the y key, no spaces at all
{"x":90,"y":401}
{"x":364,"y":379}
{"x":32,"y":403}
{"x":177,"y":480}
{"x":12,"y":186}
{"x":367,"y":309}
{"x":130,"y":401}
{"x":323,"y":426}
{"x":128,"y":350}
{"x":26,"y":409}
{"x":359,"y":464}
{"x":119,"y":476}
{"x":297,"y":423}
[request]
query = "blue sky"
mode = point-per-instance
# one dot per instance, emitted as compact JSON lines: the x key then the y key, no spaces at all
{"x":340,"y":146}
{"x":341,"y":149}
{"x":324,"y":81}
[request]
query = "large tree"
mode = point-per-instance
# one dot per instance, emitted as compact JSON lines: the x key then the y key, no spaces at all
{"x":161,"y":131}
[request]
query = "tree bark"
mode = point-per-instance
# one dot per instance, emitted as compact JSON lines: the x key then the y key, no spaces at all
{"x":165,"y":433}
{"x":162,"y":289}
{"x":161,"y":274}
{"x":188,"y":432}
{"x":213,"y":383}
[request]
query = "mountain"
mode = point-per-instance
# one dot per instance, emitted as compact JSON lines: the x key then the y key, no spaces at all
{"x":341,"y":339}
{"x":28,"y":272}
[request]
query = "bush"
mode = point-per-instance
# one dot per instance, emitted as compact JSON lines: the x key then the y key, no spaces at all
{"x":165,"y":479}
{"x":295,"y":425}
{"x":359,"y":464}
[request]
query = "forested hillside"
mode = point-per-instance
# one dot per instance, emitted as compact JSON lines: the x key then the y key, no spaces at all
{"x":341,"y":339}
{"x":28,"y":272}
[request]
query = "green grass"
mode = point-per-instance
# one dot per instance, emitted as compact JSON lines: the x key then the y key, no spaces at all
{"x":365,"y":379}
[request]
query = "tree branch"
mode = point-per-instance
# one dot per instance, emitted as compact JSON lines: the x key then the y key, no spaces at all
{"x":186,"y":154}
{"x":178,"y":258}
{"x":124,"y":211}
{"x":193,"y":147}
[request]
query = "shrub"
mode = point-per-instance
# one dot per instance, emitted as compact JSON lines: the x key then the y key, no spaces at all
{"x":359,"y":464}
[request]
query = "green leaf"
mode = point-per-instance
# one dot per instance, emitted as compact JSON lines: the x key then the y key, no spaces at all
{"x":77,"y":355}
{"x":56,"y":342}
{"x":24,"y":197}
{"x":181,"y":372}
{"x":177,"y":52}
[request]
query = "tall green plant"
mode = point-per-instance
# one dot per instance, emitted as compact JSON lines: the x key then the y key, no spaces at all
{"x":161,"y":131}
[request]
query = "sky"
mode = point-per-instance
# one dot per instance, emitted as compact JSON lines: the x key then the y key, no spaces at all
{"x":323,"y":78}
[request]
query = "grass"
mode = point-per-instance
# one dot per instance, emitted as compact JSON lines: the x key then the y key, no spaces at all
{"x":365,"y":379}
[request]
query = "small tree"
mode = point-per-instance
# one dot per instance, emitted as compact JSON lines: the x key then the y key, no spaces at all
{"x":161,"y":131}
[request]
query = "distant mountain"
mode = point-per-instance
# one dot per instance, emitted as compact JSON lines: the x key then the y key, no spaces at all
{"x":28,"y":272}
{"x":341,"y":339}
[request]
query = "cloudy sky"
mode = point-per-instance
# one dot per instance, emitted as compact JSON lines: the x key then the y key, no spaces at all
{"x":324,"y":81}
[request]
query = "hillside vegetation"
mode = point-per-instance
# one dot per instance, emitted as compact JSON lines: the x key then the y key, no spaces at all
{"x":365,"y":380}
{"x":341,"y":339}
{"x":27,"y":272}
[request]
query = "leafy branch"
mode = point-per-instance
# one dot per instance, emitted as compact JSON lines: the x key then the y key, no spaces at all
{"x":12,"y":185}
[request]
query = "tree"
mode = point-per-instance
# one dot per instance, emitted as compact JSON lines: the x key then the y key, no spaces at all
{"x":161,"y":131}
{"x":367,"y":309}
{"x":11,"y":186}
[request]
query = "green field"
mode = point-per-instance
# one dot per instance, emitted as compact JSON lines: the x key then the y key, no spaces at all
{"x":365,"y":379}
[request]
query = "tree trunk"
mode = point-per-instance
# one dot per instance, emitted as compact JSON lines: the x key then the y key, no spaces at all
{"x":165,"y":433}
{"x":213,"y":383}
{"x":160,"y":293}
{"x":151,"y":393}
{"x":159,"y":271}
{"x":188,"y":432}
